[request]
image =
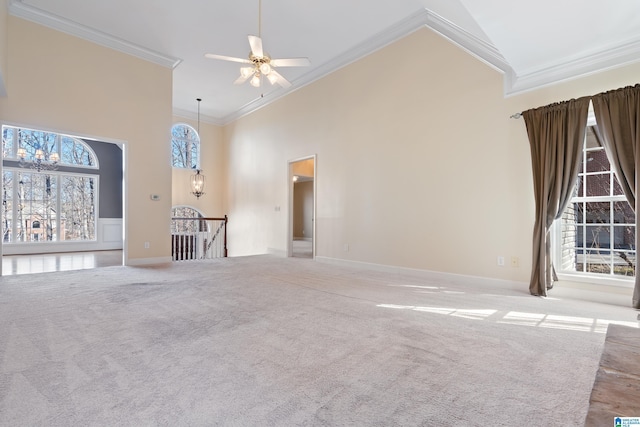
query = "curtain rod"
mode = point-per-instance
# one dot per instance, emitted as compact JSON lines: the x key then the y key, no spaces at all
{"x":518,"y":115}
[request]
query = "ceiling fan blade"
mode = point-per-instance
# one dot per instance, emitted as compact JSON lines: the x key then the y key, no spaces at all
{"x":256,"y":46}
{"x":227,"y":58}
{"x":241,"y":79}
{"x":291,"y":62}
{"x":279,"y":79}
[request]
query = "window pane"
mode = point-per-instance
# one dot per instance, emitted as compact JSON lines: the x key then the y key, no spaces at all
{"x":597,"y":161}
{"x":34,"y":141}
{"x":598,"y":237}
{"x":7,"y":205}
{"x":598,"y":212}
{"x":75,"y":152}
{"x":598,"y":185}
{"x":77,"y":221}
{"x":578,"y":210}
{"x":624,"y":237}
{"x":598,"y":262}
{"x":624,"y":263}
{"x":185,"y":147}
{"x":37,"y":204}
{"x":622,"y":213}
{"x":579,"y":191}
{"x":7,"y":142}
{"x":591,"y":141}
{"x":186,"y":226}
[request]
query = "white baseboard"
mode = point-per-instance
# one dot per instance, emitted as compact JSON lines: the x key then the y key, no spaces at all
{"x":428,"y":274}
{"x":109,"y":237}
{"x":277,"y":252}
{"x":139,"y":262}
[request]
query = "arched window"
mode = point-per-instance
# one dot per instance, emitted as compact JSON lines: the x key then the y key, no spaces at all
{"x":185,"y":147}
{"x":47,"y":205}
{"x":185,"y":225}
{"x":71,"y":151}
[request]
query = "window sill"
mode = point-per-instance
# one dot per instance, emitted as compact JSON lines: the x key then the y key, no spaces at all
{"x":607,"y":284}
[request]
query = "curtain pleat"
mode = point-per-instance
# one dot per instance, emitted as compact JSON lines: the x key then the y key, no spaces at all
{"x":618,"y":117}
{"x":556,"y":135}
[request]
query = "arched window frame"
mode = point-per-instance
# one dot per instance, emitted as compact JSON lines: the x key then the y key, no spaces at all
{"x":46,"y":205}
{"x":185,"y":145}
{"x":14,"y":138}
{"x":185,"y":211}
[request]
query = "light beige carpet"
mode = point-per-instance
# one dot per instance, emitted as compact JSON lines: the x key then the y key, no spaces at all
{"x":266,"y":341}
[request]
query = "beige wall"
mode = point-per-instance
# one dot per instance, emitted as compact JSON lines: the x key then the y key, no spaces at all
{"x":418,"y":162}
{"x":62,"y":83}
{"x":212,"y":166}
{"x":4,"y":32}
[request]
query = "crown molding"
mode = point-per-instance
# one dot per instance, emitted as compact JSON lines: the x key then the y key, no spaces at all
{"x":422,"y":18}
{"x":19,"y":9}
{"x":605,"y":59}
{"x":190,"y":115}
{"x":514,"y":83}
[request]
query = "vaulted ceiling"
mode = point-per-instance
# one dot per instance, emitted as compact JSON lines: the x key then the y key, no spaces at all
{"x":533,"y":43}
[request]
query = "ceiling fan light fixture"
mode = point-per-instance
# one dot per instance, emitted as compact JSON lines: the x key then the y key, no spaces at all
{"x":259,"y":63}
{"x":246,"y":72}
{"x":272,"y":78}
{"x":265,"y":68}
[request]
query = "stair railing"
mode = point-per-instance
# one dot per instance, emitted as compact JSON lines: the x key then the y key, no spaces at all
{"x":198,"y":238}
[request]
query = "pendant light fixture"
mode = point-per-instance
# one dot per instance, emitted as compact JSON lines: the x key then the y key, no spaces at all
{"x":197,"y":180}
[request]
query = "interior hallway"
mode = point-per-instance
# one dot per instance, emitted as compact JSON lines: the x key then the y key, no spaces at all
{"x":46,"y":263}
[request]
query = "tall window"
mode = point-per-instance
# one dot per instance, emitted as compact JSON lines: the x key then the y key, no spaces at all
{"x":185,"y":147}
{"x":598,"y":230}
{"x":47,"y":206}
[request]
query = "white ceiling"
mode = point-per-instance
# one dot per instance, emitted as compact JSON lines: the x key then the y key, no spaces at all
{"x":534,"y":43}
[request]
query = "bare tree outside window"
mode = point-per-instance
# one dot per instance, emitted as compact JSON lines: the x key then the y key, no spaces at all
{"x":78,"y":208}
{"x":47,"y":206}
{"x":188,"y":227}
{"x":185,"y":147}
{"x":7,"y":206}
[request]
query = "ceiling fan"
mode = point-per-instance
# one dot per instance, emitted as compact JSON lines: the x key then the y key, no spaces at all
{"x":259,"y":63}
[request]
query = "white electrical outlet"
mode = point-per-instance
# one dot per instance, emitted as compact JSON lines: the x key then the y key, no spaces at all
{"x":146,"y":245}
{"x":501,"y":261}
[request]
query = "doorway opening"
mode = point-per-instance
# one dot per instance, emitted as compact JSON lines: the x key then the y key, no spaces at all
{"x":302,"y":207}
{"x":63,"y":201}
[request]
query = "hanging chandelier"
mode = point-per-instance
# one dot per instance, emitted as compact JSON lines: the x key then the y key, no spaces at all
{"x":197,"y":180}
{"x":41,"y":161}
{"x":197,"y":184}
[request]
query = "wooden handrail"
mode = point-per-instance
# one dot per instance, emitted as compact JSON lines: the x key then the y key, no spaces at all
{"x":202,"y":218}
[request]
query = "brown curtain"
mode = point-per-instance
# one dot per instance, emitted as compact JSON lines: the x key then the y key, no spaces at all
{"x":618,"y":117}
{"x":556,"y":135}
